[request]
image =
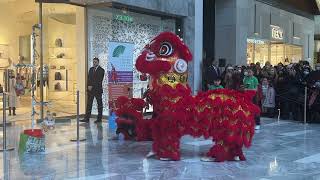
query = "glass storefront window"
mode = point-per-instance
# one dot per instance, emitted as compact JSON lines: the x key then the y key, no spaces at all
{"x":250,"y":50}
{"x":296,"y":54}
{"x":63,"y":37}
{"x":62,"y":49}
{"x":263,"y":51}
{"x":277,"y":53}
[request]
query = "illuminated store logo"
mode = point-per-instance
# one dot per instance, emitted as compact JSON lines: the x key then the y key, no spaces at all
{"x":277,"y":33}
{"x":255,"y":41}
{"x":124,"y":18}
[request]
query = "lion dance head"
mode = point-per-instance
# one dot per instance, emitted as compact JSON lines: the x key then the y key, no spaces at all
{"x":166,"y":59}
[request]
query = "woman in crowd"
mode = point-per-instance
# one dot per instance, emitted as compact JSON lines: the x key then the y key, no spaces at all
{"x":237,"y":78}
{"x":268,"y":101}
{"x":228,"y":77}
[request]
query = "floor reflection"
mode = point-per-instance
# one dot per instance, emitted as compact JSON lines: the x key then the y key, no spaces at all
{"x":285,"y":150}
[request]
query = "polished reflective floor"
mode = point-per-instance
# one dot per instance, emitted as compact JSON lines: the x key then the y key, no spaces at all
{"x":281,"y":150}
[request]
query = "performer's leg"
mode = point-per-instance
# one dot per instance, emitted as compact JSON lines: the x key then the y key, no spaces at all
{"x":221,"y":152}
{"x":235,"y":153}
{"x":169,"y":148}
{"x":166,"y":145}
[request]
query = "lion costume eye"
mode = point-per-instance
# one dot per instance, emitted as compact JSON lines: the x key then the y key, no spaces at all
{"x":181,"y":66}
{"x":166,"y":49}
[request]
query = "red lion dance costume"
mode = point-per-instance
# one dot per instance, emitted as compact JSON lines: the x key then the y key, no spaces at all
{"x":227,"y":116}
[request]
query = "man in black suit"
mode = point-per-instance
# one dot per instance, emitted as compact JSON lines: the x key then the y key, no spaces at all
{"x":95,"y":78}
{"x":213,"y":73}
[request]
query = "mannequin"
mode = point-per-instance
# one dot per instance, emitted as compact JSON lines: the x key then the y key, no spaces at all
{"x":12,"y":95}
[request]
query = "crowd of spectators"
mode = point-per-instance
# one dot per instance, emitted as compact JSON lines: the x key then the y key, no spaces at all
{"x":280,"y":89}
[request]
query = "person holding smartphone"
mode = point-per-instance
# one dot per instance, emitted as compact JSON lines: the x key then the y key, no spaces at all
{"x":251,"y":84}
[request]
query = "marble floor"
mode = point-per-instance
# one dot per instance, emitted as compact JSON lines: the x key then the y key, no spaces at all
{"x":60,"y":108}
{"x":280,"y":151}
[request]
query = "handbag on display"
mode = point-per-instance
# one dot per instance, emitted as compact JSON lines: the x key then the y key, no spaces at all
{"x":32,"y":141}
{"x":62,"y":67}
{"x":58,"y":42}
{"x":57,"y":76}
{"x":53,"y":67}
{"x":61,"y":55}
{"x":57,"y":87}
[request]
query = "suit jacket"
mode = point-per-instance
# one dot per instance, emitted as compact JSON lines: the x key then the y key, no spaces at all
{"x":95,"y":78}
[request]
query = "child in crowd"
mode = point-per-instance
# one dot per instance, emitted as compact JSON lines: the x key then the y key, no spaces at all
{"x":216,"y":84}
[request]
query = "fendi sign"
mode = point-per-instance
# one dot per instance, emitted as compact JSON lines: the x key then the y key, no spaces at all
{"x":277,"y":33}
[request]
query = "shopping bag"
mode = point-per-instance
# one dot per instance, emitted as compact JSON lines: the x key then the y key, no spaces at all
{"x":32,"y":141}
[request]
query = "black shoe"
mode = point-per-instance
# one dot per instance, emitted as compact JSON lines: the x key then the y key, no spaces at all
{"x":98,"y":121}
{"x":84,"y":120}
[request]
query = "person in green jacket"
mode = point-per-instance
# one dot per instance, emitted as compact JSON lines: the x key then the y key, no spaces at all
{"x":216,"y":84}
{"x":250,"y":82}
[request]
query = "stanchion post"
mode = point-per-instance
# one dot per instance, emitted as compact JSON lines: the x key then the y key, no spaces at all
{"x":305,"y":104}
{"x":78,"y":115}
{"x":4,"y":145}
{"x":78,"y":139}
{"x":4,"y":125}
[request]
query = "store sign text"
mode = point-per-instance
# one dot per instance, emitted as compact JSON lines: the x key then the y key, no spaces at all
{"x":277,"y":33}
{"x":255,"y":41}
{"x":124,"y":18}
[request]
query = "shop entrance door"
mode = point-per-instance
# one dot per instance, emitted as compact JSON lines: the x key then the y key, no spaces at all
{"x":277,"y":53}
{"x":64,"y":57}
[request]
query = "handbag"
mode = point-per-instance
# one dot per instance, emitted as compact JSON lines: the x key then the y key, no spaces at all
{"x":57,"y":87}
{"x":57,"y":76}
{"x":58,"y":42}
{"x":61,"y":55}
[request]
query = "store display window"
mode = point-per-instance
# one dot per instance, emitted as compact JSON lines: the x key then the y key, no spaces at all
{"x":275,"y":52}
